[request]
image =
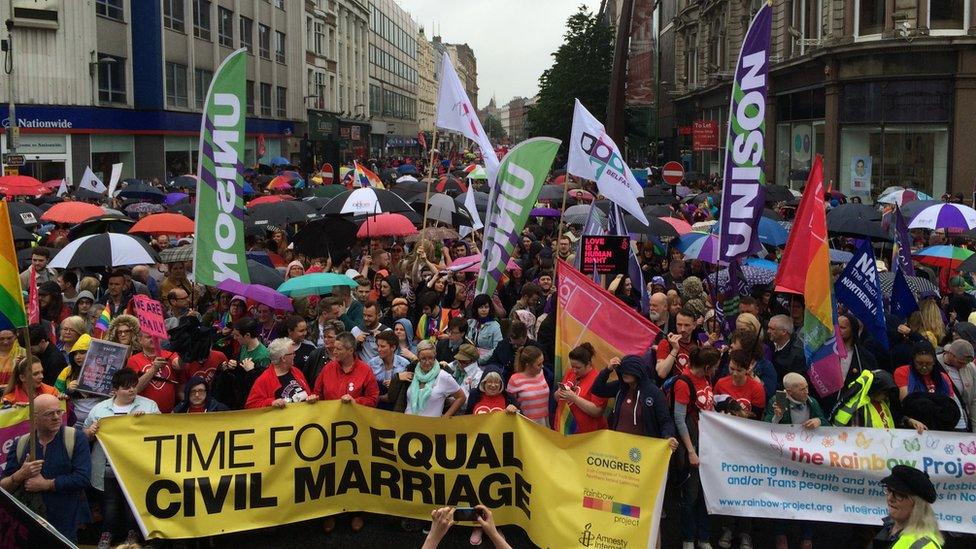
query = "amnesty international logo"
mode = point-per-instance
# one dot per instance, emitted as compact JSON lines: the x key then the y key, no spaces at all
{"x":586,"y":538}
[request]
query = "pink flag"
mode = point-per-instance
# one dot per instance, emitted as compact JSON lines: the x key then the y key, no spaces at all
{"x":33,"y":307}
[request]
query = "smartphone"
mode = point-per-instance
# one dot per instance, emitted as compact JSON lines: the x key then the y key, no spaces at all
{"x":780,"y":398}
{"x":465,"y":514}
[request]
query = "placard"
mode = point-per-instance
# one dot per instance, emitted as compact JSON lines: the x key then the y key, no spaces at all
{"x":150,"y":315}
{"x":704,"y":135}
{"x":605,"y":254}
{"x":104,"y":358}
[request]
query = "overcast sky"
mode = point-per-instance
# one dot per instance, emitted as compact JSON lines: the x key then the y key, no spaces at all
{"x":512,"y":39}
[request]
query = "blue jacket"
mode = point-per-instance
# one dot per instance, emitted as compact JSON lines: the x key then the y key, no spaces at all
{"x":655,"y":416}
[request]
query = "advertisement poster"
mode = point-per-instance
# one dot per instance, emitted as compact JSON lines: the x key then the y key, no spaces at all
{"x":861,"y":175}
{"x":104,"y":358}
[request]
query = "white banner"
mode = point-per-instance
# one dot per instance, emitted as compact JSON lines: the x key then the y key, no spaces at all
{"x":754,"y":469}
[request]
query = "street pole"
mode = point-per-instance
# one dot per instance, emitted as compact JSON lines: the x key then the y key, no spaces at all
{"x":13,"y":133}
{"x":618,"y":77}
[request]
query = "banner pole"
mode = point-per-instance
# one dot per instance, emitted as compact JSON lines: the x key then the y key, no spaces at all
{"x":430,"y":175}
{"x":31,"y":390}
{"x":562,"y":210}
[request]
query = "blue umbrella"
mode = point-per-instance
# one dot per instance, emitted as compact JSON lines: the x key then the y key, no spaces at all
{"x":315,"y":284}
{"x":771,"y":232}
{"x":280,"y":161}
{"x":407,"y":169}
{"x":764,"y":264}
{"x":840,"y":256}
{"x":248,"y":189}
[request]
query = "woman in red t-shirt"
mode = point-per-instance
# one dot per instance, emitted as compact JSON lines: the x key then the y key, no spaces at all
{"x":924,"y":374}
{"x":578,"y":410}
{"x":741,"y":385}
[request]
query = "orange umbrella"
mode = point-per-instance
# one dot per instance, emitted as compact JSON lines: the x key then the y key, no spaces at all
{"x":22,"y":185}
{"x":71,"y":212}
{"x":163,"y":223}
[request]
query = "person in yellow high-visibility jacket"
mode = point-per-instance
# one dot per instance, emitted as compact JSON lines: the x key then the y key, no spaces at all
{"x":867,"y":402}
{"x":911,"y":522}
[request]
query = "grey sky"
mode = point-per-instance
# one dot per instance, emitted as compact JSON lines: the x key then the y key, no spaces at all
{"x":512,"y":39}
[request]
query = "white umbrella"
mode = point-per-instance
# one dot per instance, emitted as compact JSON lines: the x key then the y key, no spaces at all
{"x":404,"y":178}
{"x":104,"y":250}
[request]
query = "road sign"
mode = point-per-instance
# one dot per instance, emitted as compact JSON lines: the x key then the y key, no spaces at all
{"x":11,"y":170}
{"x":15,"y":160}
{"x":673,"y":173}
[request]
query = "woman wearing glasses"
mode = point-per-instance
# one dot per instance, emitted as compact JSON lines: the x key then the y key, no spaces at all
{"x":911,"y":521}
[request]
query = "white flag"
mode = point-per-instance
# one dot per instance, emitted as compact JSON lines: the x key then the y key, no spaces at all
{"x":455,"y":112}
{"x":91,"y":182}
{"x":472,"y":208}
{"x":114,"y":180}
{"x":594,"y":156}
{"x":63,"y":187}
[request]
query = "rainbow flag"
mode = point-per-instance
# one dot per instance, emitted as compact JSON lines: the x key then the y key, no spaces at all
{"x":565,"y":420}
{"x":104,"y":319}
{"x":587,"y":312}
{"x":805,"y":270}
{"x":366,"y":178}
{"x":12,"y":312}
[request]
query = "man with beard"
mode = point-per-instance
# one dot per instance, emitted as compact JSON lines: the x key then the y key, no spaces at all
{"x":366,"y":334}
{"x":673,"y":353}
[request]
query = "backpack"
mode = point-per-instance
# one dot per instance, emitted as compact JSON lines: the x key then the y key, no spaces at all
{"x":679,"y":459}
{"x":69,"y":443}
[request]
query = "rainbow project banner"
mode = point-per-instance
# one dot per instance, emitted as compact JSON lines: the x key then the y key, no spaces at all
{"x":755,"y":469}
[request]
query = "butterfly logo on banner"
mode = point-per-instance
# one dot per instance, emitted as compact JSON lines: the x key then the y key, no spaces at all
{"x":968,"y":449}
{"x":912,"y":445}
{"x":862,"y":441}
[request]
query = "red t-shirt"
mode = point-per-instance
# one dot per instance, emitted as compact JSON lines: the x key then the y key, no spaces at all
{"x":681,"y":361}
{"x":901,"y":379}
{"x":585,"y":423}
{"x":164,"y":385}
{"x":207,"y":369}
{"x":750,"y":396}
{"x":704,"y":397}
{"x":488,"y":404}
{"x":360,"y":383}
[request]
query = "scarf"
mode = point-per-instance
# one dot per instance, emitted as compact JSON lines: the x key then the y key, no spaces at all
{"x":417,"y":396}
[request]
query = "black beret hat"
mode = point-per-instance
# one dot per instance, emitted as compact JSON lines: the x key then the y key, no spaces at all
{"x":910,"y":480}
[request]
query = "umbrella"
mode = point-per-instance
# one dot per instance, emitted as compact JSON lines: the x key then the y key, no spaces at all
{"x":279,"y":184}
{"x":772,"y":214}
{"x":579,"y":195}
{"x":138,"y":189}
{"x":765,"y":264}
{"x":179,"y":253}
{"x":24,"y":258}
{"x":545,"y":212}
{"x":22,"y":185}
{"x":480,"y":200}
{"x":752,"y":275}
{"x":680,"y":225}
{"x":404,"y":169}
{"x":189,"y":210}
{"x":366,"y":201}
{"x":770,"y":232}
{"x":315,"y":284}
{"x":21,"y":234}
{"x":703,"y":246}
{"x":704,"y":226}
{"x":23,"y":214}
{"x":164,"y":223}
{"x":322,"y":237}
{"x":101,"y":224}
{"x":441,"y":207}
{"x":104,"y":250}
{"x":270,"y":199}
{"x":654,"y":227}
{"x":943,"y":256}
{"x":184,"y":182}
{"x":450,"y":184}
{"x":434,"y":233}
{"x":903,"y":196}
{"x":551,"y":192}
{"x":471,"y":264}
{"x":919,"y":286}
{"x":945,"y":216}
{"x":264,"y":275}
{"x":407,"y":188}
{"x":911,"y":209}
{"x":71,"y":212}
{"x":281,"y":213}
{"x":327,"y":191}
{"x":144,"y":208}
{"x":175,"y":198}
{"x":839,"y":256}
{"x":261,"y":294}
{"x":317,"y":202}
{"x":858,"y":220}
{"x":386,"y":224}
{"x":576,"y":215}
{"x":405,"y":179}
{"x":280,"y":161}
{"x":778,"y":193}
{"x":659,"y":195}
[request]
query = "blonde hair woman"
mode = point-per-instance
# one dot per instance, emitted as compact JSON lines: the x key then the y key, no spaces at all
{"x":911,"y":521}
{"x":928,"y":321}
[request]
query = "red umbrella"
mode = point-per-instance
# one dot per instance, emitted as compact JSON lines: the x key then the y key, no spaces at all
{"x":580,"y":195}
{"x":71,"y":212}
{"x":163,"y":223}
{"x":450,"y":184}
{"x":53,"y":184}
{"x":559,"y":180}
{"x":22,"y":185}
{"x":679,"y":225}
{"x":271,"y":199}
{"x":386,"y":224}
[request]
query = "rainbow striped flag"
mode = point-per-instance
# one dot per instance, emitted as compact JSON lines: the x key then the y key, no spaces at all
{"x":365,"y":178}
{"x":587,"y":312}
{"x":12,"y":311}
{"x":565,"y":420}
{"x":104,"y":319}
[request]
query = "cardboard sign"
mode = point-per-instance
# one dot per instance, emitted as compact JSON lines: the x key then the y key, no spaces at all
{"x":605,"y":254}
{"x":104,"y":358}
{"x":150,"y":315}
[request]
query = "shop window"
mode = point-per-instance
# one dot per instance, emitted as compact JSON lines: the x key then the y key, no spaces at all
{"x":201,"y":19}
{"x":264,"y":41}
{"x":910,"y":155}
{"x":181,"y":163}
{"x":869,"y":17}
{"x":948,"y":14}
{"x":176,"y":93}
{"x":110,"y":8}
{"x":173,"y":16}
{"x":797,"y":144}
{"x":247,"y":31}
{"x":201,"y":84}
{"x":225,"y":27}
{"x":111,"y":79}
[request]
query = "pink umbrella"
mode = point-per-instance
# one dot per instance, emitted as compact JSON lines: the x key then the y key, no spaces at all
{"x":261,"y":294}
{"x":679,"y":225}
{"x":471,"y":263}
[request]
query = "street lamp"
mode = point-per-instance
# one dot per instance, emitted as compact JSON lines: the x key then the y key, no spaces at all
{"x":93,"y":70}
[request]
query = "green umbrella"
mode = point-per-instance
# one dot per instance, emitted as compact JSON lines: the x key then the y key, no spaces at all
{"x":315,"y":284}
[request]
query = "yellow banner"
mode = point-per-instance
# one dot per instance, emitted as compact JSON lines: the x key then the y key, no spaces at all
{"x":207,"y":474}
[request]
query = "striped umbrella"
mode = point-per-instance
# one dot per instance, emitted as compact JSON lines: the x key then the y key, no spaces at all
{"x":945,"y":216}
{"x":943,"y":256}
{"x":902,"y":196}
{"x":703,"y":246}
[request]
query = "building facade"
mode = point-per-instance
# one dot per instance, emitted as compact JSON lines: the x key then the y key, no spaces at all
{"x":80,"y":101}
{"x":352,"y":94}
{"x":393,"y":80}
{"x":427,"y":83}
{"x":321,"y":143}
{"x":885,"y":90}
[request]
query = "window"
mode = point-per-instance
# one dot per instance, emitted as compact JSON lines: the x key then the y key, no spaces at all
{"x":265,"y":99}
{"x":947,"y":14}
{"x":247,"y":32}
{"x":869,"y":17}
{"x":201,"y":19}
{"x":225,"y":27}
{"x":691,"y":60}
{"x":111,"y":79}
{"x":109,"y":8}
{"x":250,"y":96}
{"x":281,"y":103}
{"x":320,"y":47}
{"x":201,"y":84}
{"x":176,"y":85}
{"x":280,"y":4}
{"x":279,"y":46}
{"x":264,"y":41}
{"x":173,"y":16}
{"x":320,"y":91}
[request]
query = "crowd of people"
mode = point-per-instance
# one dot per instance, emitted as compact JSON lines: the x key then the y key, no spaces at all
{"x":414,"y":337}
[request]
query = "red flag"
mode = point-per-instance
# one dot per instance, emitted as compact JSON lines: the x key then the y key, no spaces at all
{"x":33,"y":307}
{"x":422,"y":140}
{"x":808,"y":234}
{"x":261,"y":149}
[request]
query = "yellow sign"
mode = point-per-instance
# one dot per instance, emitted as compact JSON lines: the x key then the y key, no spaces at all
{"x":211,"y":474}
{"x":11,"y":170}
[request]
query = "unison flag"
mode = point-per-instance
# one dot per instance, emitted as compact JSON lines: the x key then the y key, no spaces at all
{"x":901,"y":252}
{"x":218,"y":249}
{"x":593,"y":155}
{"x":805,"y":270}
{"x":587,"y":312}
{"x":860,"y":290}
{"x":743,"y":191}
{"x":12,"y":312}
{"x":520,"y":178}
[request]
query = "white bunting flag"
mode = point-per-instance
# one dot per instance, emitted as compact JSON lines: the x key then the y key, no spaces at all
{"x":91,"y":182}
{"x":114,"y":180}
{"x":63,"y":187}
{"x":455,"y":112}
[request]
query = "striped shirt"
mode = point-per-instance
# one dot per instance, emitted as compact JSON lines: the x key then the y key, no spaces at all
{"x":532,"y":394}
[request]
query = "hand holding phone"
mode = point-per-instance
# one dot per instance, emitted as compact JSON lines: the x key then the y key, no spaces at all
{"x":465,"y":514}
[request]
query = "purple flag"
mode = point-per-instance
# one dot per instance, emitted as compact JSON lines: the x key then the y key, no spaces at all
{"x":743,"y":189}
{"x":901,"y":259}
{"x":634,"y":272}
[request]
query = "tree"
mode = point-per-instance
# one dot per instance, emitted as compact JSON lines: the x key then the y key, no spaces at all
{"x":494,"y":129}
{"x":581,"y":70}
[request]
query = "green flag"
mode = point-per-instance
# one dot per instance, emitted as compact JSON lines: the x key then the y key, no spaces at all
{"x":520,"y":178}
{"x":218,"y":252}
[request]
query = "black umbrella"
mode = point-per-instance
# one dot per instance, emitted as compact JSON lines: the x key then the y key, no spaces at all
{"x":366,"y":201}
{"x":189,"y":210}
{"x":323,"y":237}
{"x":104,"y":250}
{"x":317,"y":202}
{"x":410,"y":195}
{"x":778,"y":193}
{"x":654,"y":227}
{"x":88,"y":195}
{"x":659,"y":195}
{"x":859,"y":220}
{"x":101,"y":224}
{"x":184,"y":182}
{"x":21,"y":234}
{"x":23,"y":214}
{"x":138,"y":189}
{"x":411,"y":187}
{"x":917,"y":284}
{"x":264,"y":275}
{"x":551,"y":192}
{"x":281,"y":213}
{"x":24,"y":258}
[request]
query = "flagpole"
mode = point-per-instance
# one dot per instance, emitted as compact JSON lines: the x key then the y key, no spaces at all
{"x":566,"y":181}
{"x":430,"y":176}
{"x":25,"y":334}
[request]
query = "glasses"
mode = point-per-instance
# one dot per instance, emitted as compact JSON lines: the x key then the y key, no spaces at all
{"x":200,"y":391}
{"x":896,"y":495}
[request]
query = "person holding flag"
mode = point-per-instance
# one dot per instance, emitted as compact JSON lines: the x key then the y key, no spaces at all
{"x":578,"y":410}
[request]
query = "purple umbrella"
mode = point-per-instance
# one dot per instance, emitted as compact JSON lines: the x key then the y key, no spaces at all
{"x":544,"y":212}
{"x":945,"y":216}
{"x":175,"y":198}
{"x":261,"y":294}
